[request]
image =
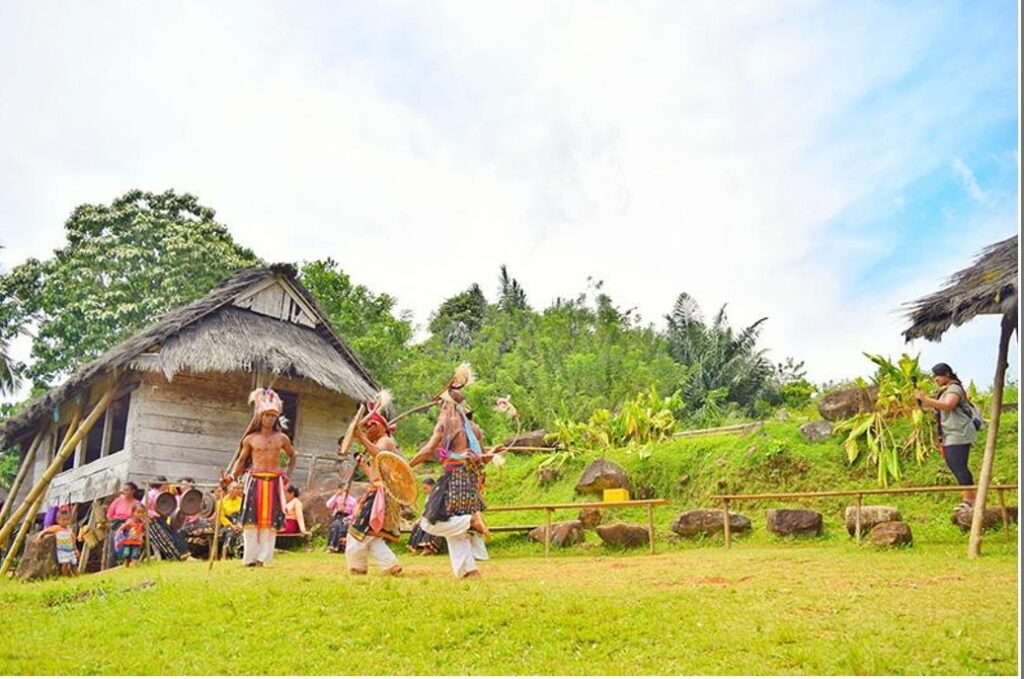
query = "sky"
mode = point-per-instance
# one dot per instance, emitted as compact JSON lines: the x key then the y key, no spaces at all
{"x":817,"y":163}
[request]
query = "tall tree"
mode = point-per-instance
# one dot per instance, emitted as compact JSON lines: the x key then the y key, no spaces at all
{"x":511,"y":296}
{"x":459,"y":318}
{"x":365,"y":319}
{"x":124,"y":265}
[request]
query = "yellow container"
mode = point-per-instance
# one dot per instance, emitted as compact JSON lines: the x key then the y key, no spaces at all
{"x":616,"y":494}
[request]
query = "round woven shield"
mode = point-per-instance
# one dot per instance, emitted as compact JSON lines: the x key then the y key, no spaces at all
{"x":397,"y":476}
{"x":165,"y":504}
{"x":191,"y":502}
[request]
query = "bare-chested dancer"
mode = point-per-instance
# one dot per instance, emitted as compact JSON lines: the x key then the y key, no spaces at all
{"x":263,"y":507}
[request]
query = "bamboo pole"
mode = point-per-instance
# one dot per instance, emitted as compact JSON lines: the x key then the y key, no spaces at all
{"x":856,"y":520}
{"x":69,"y":445}
{"x":26,"y":464}
{"x":865,"y":491}
{"x":578,"y":505}
{"x":650,"y":525}
{"x":1004,"y":514}
{"x":90,"y":527}
{"x":1007,"y":327}
{"x":547,"y":531}
{"x":216,"y":533}
{"x":725,"y":524}
{"x":20,"y":538}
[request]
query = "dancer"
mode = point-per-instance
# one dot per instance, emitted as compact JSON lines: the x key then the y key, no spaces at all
{"x":420,"y":541}
{"x":376,"y":517}
{"x":453,"y":509}
{"x":263,"y":507}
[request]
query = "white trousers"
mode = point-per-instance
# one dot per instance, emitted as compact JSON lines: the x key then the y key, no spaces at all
{"x":358,"y":553}
{"x":258,"y":545}
{"x":464,"y":548}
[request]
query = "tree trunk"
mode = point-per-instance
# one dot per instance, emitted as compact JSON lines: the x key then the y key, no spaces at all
{"x":1008,"y":325}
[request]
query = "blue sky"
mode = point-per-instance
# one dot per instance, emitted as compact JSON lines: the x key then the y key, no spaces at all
{"x":819,"y":163}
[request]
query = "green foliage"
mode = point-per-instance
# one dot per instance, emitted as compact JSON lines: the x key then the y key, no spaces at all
{"x":897,"y":427}
{"x":460,"y":317}
{"x":796,"y":394}
{"x":9,"y":370}
{"x":123,"y":265}
{"x":364,"y":319}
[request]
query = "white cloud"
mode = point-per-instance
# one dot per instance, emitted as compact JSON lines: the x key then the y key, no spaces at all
{"x":968,"y":180}
{"x":661,"y":148}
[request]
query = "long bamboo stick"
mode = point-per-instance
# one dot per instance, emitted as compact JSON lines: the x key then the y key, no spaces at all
{"x":58,"y":461}
{"x":26,"y":464}
{"x":866,"y":491}
{"x":19,"y":540}
{"x":977,"y":523}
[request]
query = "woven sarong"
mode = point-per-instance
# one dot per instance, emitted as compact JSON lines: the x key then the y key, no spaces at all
{"x":264,"y":501}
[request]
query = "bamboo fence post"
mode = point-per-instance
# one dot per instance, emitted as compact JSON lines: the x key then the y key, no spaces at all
{"x":1007,"y":327}
{"x":1004,"y":514}
{"x":725,"y":523}
{"x":547,"y":531}
{"x":26,"y":463}
{"x":74,"y":436}
{"x":650,"y":524}
{"x":20,"y":538}
{"x":856,"y":520}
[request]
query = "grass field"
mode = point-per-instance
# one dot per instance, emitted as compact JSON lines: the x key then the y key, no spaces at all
{"x":819,"y":607}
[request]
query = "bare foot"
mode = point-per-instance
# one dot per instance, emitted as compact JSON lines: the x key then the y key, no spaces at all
{"x":356,"y":571}
{"x":394,"y":570}
{"x":472,"y":575}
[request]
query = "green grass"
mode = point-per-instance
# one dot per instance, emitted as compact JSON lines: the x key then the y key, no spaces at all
{"x":793,"y":609}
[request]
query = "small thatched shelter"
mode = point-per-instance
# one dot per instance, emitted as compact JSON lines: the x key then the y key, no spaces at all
{"x":989,"y":286}
{"x":177,"y":405}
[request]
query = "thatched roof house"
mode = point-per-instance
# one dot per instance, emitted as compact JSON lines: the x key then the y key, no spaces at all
{"x":181,"y":401}
{"x":989,"y":286}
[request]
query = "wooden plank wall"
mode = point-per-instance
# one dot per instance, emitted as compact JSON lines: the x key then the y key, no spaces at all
{"x":191,"y":426}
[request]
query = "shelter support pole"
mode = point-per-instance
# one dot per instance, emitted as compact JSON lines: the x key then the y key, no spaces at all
{"x":70,"y":442}
{"x":1004,"y":514}
{"x":725,"y":524}
{"x":26,"y":464}
{"x":19,"y":540}
{"x":309,"y":476}
{"x":547,"y":531}
{"x":856,"y":520}
{"x":650,"y":525}
{"x":1008,"y":325}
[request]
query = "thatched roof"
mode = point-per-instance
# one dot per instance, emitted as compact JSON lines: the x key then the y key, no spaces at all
{"x":211,"y":335}
{"x":989,"y":286}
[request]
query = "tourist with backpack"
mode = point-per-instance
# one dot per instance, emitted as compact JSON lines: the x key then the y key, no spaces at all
{"x":958,"y":422}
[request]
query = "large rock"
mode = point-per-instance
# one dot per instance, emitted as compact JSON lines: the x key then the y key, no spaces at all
{"x":563,"y":534}
{"x":798,"y":522}
{"x":816,"y":432}
{"x":623,"y":535}
{"x":590,"y":517}
{"x":601,"y":475}
{"x":891,"y":534}
{"x":870,"y":516}
{"x":845,"y":403}
{"x":536,"y":438}
{"x":963,"y":516}
{"x":697,"y":522}
{"x":39,"y":559}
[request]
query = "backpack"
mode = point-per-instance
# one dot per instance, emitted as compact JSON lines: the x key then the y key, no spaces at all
{"x":971,"y":411}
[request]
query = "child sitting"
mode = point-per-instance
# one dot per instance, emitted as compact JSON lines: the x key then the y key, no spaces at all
{"x":341,"y":506}
{"x":67,"y":550}
{"x":131,"y":536}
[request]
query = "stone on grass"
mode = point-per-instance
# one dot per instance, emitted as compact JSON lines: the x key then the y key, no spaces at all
{"x":798,"y":522}
{"x":891,"y":534}
{"x":563,"y":534}
{"x":590,"y":517}
{"x":623,"y":534}
{"x":845,"y":403}
{"x":816,"y":432}
{"x":963,"y":516}
{"x":870,"y":516}
{"x":696,"y":522}
{"x":548,"y":475}
{"x":39,"y":559}
{"x":601,"y":475}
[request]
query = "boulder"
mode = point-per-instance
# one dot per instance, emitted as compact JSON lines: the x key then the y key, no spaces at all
{"x":536,"y":438}
{"x":870,"y":516}
{"x":845,"y":403}
{"x":601,"y":475}
{"x":623,"y":535}
{"x":548,"y":475}
{"x":39,"y":559}
{"x":697,"y":522}
{"x":563,"y":534}
{"x":816,"y":432}
{"x":963,"y":516}
{"x":590,"y":517}
{"x":891,"y":534}
{"x":799,"y":522}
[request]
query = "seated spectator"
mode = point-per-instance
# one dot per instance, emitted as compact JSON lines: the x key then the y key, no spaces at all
{"x":230,"y":523}
{"x":341,"y":505}
{"x":119,"y":511}
{"x":420,"y":541}
{"x":293,"y":519}
{"x":66,"y":548}
{"x":131,"y":537}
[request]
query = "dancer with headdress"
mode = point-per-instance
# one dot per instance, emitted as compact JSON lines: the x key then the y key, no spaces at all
{"x":453,"y":509}
{"x":263,"y":506}
{"x":375,"y":520}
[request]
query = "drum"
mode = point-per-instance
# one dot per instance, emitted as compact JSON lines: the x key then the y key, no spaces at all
{"x":165,"y":504}
{"x":397,"y":476}
{"x":191,"y":502}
